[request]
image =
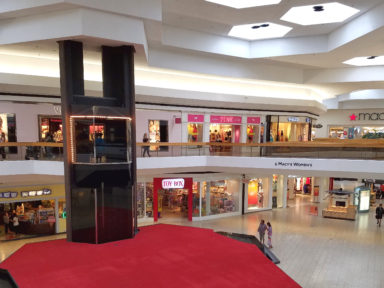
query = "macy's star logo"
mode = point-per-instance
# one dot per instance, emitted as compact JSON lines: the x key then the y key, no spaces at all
{"x":353,"y":117}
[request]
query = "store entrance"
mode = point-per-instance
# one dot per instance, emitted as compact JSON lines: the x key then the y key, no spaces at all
{"x":173,"y":203}
{"x":173,"y":197}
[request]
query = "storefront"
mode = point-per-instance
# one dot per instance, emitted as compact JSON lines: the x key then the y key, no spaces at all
{"x":51,"y":125}
{"x":356,"y":132}
{"x":188,"y":199}
{"x":7,"y":133}
{"x":195,"y":128}
{"x":39,"y":211}
{"x":225,"y":129}
{"x":257,"y":196}
{"x":289,"y":128}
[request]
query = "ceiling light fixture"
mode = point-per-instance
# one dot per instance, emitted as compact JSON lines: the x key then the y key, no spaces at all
{"x":319,"y":14}
{"x":366,"y":61}
{"x":240,"y":4}
{"x":254,"y":31}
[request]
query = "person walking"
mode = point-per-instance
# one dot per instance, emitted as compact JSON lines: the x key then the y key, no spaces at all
{"x":15,"y":221}
{"x":379,"y":214}
{"x":269,"y":231}
{"x":6,"y":222}
{"x":146,"y":147}
{"x":261,"y":230}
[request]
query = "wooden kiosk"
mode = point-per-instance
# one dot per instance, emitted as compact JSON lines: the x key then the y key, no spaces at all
{"x":340,"y":205}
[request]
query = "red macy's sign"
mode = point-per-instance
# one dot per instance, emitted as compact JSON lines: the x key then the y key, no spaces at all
{"x":172,"y":183}
{"x":367,"y":116}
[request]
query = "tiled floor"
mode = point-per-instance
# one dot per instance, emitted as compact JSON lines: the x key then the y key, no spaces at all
{"x":314,"y":251}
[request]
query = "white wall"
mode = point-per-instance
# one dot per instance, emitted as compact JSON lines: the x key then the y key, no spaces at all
{"x":143,"y":116}
{"x":341,"y":117}
{"x":27,"y":122}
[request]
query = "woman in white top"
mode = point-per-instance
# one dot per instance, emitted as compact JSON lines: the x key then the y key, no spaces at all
{"x":15,"y":221}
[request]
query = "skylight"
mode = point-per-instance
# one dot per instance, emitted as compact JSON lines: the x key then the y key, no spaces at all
{"x":319,"y":13}
{"x":256,"y":31}
{"x":240,"y":4}
{"x":366,"y":61}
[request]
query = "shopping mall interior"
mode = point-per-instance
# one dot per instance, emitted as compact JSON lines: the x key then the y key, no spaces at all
{"x":136,"y":135}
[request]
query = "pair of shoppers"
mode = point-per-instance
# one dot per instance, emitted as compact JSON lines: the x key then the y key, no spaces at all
{"x":11,"y":223}
{"x":265,"y":228}
{"x":379,"y":214}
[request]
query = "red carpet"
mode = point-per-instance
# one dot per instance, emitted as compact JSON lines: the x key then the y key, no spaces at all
{"x":159,"y":256}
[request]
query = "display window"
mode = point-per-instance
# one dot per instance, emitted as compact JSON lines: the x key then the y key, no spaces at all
{"x":220,"y":197}
{"x":252,"y":133}
{"x":7,"y":133}
{"x":195,"y":132}
{"x":52,"y":126}
{"x":158,"y":132}
{"x":28,"y":219}
{"x":258,"y":194}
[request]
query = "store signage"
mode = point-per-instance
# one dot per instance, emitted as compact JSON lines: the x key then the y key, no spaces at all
{"x":195,"y":118}
{"x":293,"y":119}
{"x":292,"y":164}
{"x":367,"y":116}
{"x":57,"y":109}
{"x":35,"y":193}
{"x":226,"y":119}
{"x":8,"y":194}
{"x":253,"y":120}
{"x":172,"y":183}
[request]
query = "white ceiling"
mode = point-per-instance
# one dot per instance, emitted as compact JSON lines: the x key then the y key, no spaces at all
{"x":191,"y":37}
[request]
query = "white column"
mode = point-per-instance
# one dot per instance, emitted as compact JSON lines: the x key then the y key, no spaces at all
{"x":284,"y":180}
{"x":208,"y":199}
{"x":324,"y":186}
{"x":184,"y":127}
{"x":243,"y":138}
{"x":207,"y":123}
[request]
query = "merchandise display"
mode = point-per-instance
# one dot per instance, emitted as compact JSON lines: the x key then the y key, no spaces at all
{"x":256,"y":197}
{"x":195,"y":132}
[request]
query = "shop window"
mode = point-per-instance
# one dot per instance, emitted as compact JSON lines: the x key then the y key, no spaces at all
{"x":223,"y":197}
{"x":252,"y":133}
{"x":140,"y":199}
{"x":8,"y":132}
{"x":195,"y":132}
{"x":158,"y":133}
{"x":258,"y":193}
{"x":149,"y":199}
{"x":52,"y":126}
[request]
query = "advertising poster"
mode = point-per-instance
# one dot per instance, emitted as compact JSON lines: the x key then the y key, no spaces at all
{"x":3,"y":128}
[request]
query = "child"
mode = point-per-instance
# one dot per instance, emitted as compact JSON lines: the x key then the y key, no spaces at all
{"x":269,"y":229}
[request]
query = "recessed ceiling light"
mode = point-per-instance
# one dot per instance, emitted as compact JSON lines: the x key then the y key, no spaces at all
{"x":366,"y":61}
{"x":319,"y":14}
{"x":240,"y":4}
{"x":259,"y":31}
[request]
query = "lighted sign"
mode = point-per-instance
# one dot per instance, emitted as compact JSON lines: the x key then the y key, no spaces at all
{"x":293,"y":119}
{"x":225,"y":119}
{"x":36,"y":193}
{"x":195,"y":118}
{"x":172,"y":183}
{"x":8,"y":194}
{"x":253,"y":120}
{"x":366,"y":116}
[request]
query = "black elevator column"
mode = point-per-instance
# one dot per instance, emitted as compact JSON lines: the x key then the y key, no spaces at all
{"x":99,"y":145}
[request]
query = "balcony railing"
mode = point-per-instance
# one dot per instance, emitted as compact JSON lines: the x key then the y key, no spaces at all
{"x":325,"y":148}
